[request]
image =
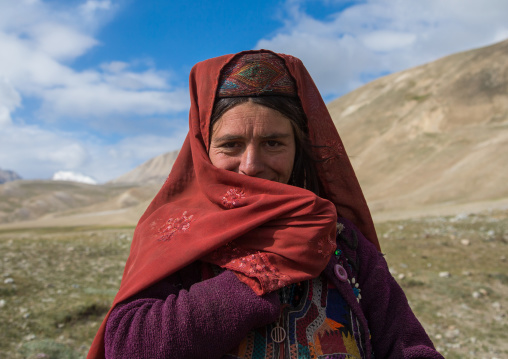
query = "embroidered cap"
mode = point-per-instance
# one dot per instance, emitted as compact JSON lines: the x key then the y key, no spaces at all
{"x":256,"y":75}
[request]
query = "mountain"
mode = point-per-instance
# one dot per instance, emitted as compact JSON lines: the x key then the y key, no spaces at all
{"x":429,"y":140}
{"x":73,"y":177}
{"x":7,"y":176}
{"x":153,"y":171}
{"x":432,"y":136}
{"x":42,"y":203}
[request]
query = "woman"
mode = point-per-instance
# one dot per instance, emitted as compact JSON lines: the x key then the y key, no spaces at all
{"x":254,"y":247}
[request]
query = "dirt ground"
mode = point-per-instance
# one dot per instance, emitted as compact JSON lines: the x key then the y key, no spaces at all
{"x":57,"y":283}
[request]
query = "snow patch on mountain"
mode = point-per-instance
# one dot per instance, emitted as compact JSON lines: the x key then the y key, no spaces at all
{"x":73,"y":177}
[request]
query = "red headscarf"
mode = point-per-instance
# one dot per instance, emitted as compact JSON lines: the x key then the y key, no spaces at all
{"x":270,"y":234}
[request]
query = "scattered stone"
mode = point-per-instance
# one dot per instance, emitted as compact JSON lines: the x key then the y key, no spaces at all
{"x":496,"y":305}
{"x":459,"y":217}
{"x":401,"y":276}
{"x":29,"y":337}
{"x":483,"y":291}
{"x":466,"y":273}
{"x":499,"y":318}
{"x":9,"y":281}
{"x":503,"y":258}
{"x":444,"y":274}
{"x":465,"y":306}
{"x":465,"y":242}
{"x":438,"y":336}
{"x":491,"y":233}
{"x":2,"y":303}
{"x":476,"y":295}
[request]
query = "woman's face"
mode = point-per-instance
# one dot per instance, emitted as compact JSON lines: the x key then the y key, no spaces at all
{"x":254,"y":140}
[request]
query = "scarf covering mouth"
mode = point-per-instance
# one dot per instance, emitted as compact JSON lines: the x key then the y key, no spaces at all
{"x":269,"y":234}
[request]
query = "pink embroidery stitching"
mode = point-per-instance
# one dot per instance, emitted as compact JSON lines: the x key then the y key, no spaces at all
{"x":174,"y":225}
{"x":324,"y":245}
{"x":253,"y":265}
{"x":232,"y":197}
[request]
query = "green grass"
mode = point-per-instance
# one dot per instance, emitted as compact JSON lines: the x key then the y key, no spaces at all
{"x":64,"y":280}
{"x":422,"y":249}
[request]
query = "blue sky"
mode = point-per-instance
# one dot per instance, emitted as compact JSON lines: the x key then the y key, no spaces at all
{"x":100,"y":86}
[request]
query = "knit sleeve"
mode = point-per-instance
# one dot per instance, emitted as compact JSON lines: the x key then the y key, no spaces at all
{"x":205,"y":321}
{"x":395,"y":331}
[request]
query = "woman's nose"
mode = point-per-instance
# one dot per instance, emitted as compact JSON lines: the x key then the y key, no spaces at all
{"x":251,"y":162}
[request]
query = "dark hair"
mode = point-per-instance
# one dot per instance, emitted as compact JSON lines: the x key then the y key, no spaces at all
{"x":304,"y":173}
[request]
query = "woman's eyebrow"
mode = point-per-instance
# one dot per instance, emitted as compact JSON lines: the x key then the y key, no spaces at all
{"x":268,"y":136}
{"x":227,"y":138}
{"x":276,"y":135}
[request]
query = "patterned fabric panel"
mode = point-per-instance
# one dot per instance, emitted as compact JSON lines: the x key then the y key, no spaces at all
{"x":255,"y":75}
{"x":320,"y":326}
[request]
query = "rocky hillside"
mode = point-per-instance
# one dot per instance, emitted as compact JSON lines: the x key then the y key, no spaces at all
{"x":71,"y":203}
{"x":7,"y":176}
{"x":429,"y":140}
{"x":153,"y":171}
{"x":431,"y":136}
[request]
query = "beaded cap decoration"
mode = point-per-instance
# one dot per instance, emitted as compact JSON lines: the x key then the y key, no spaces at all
{"x":256,"y":75}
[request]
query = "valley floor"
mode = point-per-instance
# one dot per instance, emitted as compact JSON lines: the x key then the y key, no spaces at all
{"x":57,"y":283}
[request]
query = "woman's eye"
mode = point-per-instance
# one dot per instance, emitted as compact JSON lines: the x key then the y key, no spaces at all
{"x":273,"y":143}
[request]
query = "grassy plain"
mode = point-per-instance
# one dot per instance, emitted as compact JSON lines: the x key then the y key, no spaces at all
{"x":56,"y":284}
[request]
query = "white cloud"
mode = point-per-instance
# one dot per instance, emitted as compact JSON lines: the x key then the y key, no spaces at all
{"x":5,"y":117}
{"x":9,"y":97}
{"x":103,"y":100}
{"x":9,"y":101}
{"x":91,"y":6}
{"x":39,"y":41}
{"x":34,"y":152}
{"x":60,"y":42}
{"x":376,"y":37}
{"x":34,"y":54}
{"x":387,"y":40}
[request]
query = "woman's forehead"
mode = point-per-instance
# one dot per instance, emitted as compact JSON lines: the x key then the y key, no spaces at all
{"x":250,"y":118}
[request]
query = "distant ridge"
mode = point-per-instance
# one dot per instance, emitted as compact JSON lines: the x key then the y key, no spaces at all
{"x":434,"y":135}
{"x":8,"y":175}
{"x":153,"y":171}
{"x":431,"y":140}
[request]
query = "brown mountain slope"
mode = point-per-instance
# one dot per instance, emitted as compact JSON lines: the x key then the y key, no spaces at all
{"x":428,"y":140}
{"x":153,"y":171}
{"x":41,"y":203}
{"x":431,"y":136}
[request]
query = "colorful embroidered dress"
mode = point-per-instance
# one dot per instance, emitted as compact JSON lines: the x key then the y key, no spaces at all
{"x":319,"y":323}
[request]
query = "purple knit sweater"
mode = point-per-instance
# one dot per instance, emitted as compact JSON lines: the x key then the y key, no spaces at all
{"x":183,"y":317}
